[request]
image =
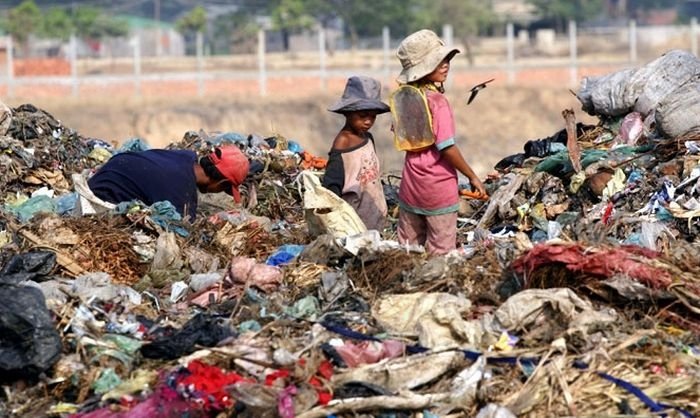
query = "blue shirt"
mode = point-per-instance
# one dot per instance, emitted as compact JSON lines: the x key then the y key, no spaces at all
{"x":149,"y":176}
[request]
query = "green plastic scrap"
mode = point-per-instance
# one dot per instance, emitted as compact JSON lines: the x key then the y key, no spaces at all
{"x":107,"y":381}
{"x":307,"y":308}
{"x":249,"y":325}
{"x":26,"y":210}
{"x":123,"y":343}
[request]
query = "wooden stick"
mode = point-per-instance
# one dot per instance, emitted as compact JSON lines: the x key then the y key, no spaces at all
{"x":571,"y":140}
{"x":62,"y":258}
{"x":403,"y":401}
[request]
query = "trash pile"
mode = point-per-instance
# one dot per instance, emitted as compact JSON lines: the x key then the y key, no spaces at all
{"x":575,"y":290}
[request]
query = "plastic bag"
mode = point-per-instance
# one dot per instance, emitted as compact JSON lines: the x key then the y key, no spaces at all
{"x":30,"y":343}
{"x":326,"y":213}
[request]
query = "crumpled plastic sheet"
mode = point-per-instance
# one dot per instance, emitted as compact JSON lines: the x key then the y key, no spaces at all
{"x":202,"y":329}
{"x":30,"y":343}
{"x":32,"y":265}
{"x":625,"y":259}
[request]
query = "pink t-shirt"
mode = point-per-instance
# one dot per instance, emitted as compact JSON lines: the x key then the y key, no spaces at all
{"x":429,"y":182}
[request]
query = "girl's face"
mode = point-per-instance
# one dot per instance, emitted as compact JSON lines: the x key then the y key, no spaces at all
{"x":440,"y":73}
{"x":361,"y":121}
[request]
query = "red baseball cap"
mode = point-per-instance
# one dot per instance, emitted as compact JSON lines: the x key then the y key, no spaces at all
{"x":233,"y":165}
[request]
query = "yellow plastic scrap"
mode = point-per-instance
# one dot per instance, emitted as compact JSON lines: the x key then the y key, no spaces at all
{"x":63,"y":408}
{"x":100,"y":154}
{"x":141,"y":381}
{"x":577,"y":181}
{"x":615,"y":184}
{"x":506,"y":342}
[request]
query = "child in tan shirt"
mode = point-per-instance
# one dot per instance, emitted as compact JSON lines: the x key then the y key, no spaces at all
{"x":353,"y":171}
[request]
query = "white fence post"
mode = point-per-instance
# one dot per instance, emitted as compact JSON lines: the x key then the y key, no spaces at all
{"x":510,"y":48}
{"x":322,"y":57}
{"x":136,"y":43}
{"x":448,"y":37}
{"x":10,"y":66}
{"x":694,"y":36}
{"x":74,"y":65}
{"x":573,"y":71}
{"x":262,"y":79}
{"x":633,"y":41}
{"x":200,"y":64}
{"x":386,"y":40}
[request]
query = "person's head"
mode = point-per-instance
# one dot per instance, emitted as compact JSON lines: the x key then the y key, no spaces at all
{"x":360,"y":103}
{"x":424,"y":58}
{"x":224,"y":169}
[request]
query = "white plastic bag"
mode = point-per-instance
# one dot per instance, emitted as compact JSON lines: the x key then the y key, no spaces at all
{"x":327,"y":213}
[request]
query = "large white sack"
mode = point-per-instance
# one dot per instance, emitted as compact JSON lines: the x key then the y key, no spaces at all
{"x":658,"y":79}
{"x":678,"y":112}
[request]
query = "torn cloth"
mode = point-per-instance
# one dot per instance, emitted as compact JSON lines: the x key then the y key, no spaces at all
{"x":628,"y":260}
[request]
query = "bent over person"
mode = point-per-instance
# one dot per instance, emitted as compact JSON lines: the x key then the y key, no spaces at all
{"x":173,"y":175}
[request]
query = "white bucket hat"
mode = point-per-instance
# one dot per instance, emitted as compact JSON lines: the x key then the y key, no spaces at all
{"x":420,"y":54}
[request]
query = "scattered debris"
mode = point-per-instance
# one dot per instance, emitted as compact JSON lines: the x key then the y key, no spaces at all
{"x":574,"y":290}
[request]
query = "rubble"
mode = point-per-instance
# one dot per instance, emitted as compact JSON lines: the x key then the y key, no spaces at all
{"x":575,"y":289}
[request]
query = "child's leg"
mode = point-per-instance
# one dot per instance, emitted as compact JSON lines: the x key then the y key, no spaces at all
{"x":442,"y":233}
{"x":411,"y":228}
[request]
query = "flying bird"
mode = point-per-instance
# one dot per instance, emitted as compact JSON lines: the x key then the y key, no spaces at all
{"x":476,"y":89}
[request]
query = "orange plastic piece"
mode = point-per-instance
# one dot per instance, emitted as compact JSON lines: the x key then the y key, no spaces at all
{"x":309,"y":161}
{"x":473,"y":194}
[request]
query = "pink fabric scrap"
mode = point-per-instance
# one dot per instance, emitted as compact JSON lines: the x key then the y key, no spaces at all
{"x":369,"y":352}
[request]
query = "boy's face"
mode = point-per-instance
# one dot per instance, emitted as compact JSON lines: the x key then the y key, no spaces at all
{"x":362,"y":120}
{"x":440,"y":73}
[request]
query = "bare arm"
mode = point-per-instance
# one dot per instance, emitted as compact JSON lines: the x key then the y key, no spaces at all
{"x":454,"y":157}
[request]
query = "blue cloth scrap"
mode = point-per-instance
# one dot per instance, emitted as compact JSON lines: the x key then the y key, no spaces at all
{"x":133,"y":145}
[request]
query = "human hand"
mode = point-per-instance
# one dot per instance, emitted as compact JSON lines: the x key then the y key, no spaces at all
{"x":478,"y":186}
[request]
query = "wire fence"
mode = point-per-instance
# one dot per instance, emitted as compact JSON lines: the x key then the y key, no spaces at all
{"x":528,"y":59}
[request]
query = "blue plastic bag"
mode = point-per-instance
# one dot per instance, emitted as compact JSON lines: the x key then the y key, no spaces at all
{"x":284,"y":254}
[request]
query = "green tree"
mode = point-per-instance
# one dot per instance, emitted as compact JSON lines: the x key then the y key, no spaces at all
{"x":57,"y":23}
{"x":291,"y":16}
{"x":359,"y":17}
{"x":235,"y":33}
{"x":194,"y":21}
{"x":559,"y":12}
{"x":23,"y":21}
{"x":469,"y":18}
{"x":368,"y":17}
{"x":92,"y":23}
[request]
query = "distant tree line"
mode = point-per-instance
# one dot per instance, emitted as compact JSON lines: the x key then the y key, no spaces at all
{"x":359,"y":18}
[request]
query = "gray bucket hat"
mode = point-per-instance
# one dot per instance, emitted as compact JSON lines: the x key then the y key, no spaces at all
{"x":361,"y":93}
{"x":420,"y":53}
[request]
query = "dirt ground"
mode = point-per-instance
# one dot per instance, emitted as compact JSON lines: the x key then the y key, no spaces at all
{"x":495,"y":125}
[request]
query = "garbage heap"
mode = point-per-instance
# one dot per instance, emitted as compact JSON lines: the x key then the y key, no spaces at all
{"x":574,"y":290}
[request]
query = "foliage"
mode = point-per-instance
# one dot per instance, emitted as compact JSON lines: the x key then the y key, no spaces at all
{"x":92,"y":23}
{"x":235,"y":32}
{"x":635,"y":5}
{"x":467,"y":17}
{"x":194,"y":21}
{"x":359,"y":17}
{"x":22,"y":20}
{"x":561,"y":11}
{"x":292,"y":15}
{"x":57,"y":23}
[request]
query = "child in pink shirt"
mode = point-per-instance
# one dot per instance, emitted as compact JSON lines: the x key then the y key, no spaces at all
{"x":428,"y":194}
